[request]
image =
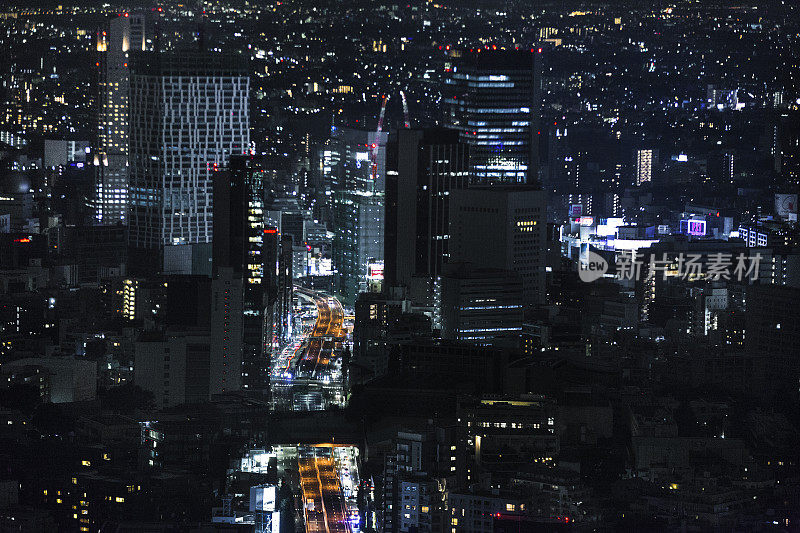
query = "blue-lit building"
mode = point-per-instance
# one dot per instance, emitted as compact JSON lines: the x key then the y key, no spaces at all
{"x":491,"y":98}
{"x":358,"y":208}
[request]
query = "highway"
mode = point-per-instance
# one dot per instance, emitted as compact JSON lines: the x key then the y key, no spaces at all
{"x":282,"y":366}
{"x":312,"y":352}
{"x":330,"y":314}
{"x":324,"y":506}
{"x":306,"y":373}
{"x":325,"y":336}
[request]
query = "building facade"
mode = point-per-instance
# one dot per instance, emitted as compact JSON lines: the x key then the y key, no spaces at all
{"x":492,"y":99}
{"x":429,"y":164}
{"x":115,"y":41}
{"x":502,"y":228}
{"x":480,"y":305}
{"x":188,"y":114}
{"x":245,"y":251}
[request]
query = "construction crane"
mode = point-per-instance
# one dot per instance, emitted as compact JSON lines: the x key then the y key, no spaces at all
{"x":405,"y":109}
{"x":374,"y":147}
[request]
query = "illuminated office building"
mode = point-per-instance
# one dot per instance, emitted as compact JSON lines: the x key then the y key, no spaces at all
{"x":491,"y":99}
{"x":353,"y":159}
{"x":358,"y":239}
{"x":115,"y":41}
{"x":645,"y":162}
{"x":244,"y":246}
{"x":189,"y":114}
{"x":358,"y":209}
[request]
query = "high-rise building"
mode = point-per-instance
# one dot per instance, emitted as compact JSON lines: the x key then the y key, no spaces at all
{"x":240,"y":261}
{"x":411,"y":499}
{"x":189,"y":113}
{"x":231,"y":323}
{"x":174,"y":366}
{"x":646,"y":160}
{"x":358,"y":240}
{"x":115,"y":41}
{"x":358,"y":209}
{"x":204,"y":317}
{"x":492,"y":99}
{"x":353,"y":159}
{"x":283,"y":323}
{"x":429,"y":164}
{"x":786,"y":147}
{"x":504,"y":228}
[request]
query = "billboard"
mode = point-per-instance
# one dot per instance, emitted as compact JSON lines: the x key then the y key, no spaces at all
{"x":375,"y":270}
{"x":693,"y":227}
{"x":262,"y":498}
{"x":786,"y":205}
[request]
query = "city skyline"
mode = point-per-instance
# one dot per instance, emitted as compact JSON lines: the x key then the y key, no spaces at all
{"x":356,"y":267}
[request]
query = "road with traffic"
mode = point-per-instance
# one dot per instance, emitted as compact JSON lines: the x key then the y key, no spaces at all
{"x":324,"y":507}
{"x":325,"y":337}
{"x":306,"y":374}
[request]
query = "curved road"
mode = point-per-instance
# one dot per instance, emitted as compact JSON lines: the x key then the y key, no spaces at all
{"x":312,"y":353}
{"x":323,"y":339}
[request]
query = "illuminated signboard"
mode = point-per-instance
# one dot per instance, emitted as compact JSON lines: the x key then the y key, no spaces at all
{"x":693,"y":227}
{"x":262,"y":498}
{"x":375,"y":271}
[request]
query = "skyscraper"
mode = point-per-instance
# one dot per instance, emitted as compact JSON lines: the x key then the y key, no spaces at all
{"x":358,"y":211}
{"x":189,"y":113}
{"x":115,"y":41}
{"x":346,"y":160}
{"x":240,"y":262}
{"x":358,"y":239}
{"x":492,"y":99}
{"x":230,"y":324}
{"x":429,"y":165}
{"x":645,"y":162}
{"x":270,"y":250}
{"x":504,"y":228}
